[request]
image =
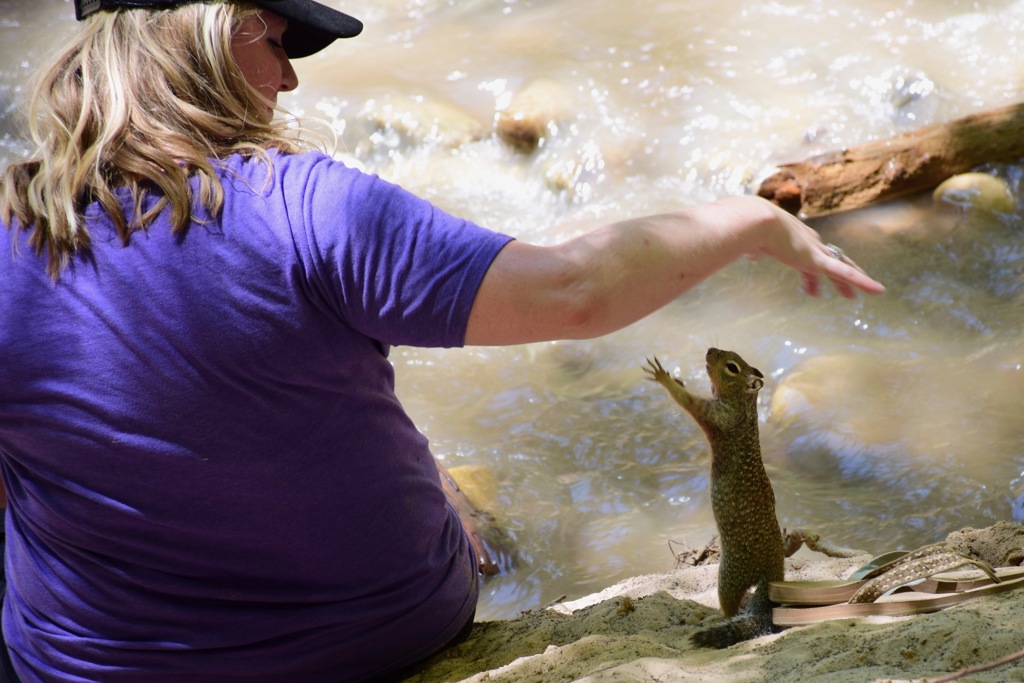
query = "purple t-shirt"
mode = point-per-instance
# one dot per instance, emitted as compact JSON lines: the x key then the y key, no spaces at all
{"x":210,"y":477}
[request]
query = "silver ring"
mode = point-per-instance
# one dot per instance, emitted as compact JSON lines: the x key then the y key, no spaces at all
{"x":835,"y":251}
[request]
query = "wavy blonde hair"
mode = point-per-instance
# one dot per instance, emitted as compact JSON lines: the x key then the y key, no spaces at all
{"x":142,"y":100}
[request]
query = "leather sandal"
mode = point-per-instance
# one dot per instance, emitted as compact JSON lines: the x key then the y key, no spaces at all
{"x":907,"y":602}
{"x":818,"y":593}
{"x":922,"y":570}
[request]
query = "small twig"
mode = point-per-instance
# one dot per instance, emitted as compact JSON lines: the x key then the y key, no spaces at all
{"x":978,"y":668}
{"x":694,"y":557}
{"x":556,"y":601}
{"x":793,"y":540}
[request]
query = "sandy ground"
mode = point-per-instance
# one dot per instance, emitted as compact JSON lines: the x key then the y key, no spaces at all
{"x":605,"y":637}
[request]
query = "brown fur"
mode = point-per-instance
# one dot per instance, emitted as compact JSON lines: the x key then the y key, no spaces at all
{"x":741,"y":494}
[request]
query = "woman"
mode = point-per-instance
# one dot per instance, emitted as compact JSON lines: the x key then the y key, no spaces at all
{"x":209,"y":475}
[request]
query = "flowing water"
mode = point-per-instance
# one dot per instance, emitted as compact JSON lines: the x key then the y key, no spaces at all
{"x":887,"y":421}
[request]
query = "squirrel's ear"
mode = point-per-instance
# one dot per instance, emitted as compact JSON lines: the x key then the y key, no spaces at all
{"x":754,"y":385}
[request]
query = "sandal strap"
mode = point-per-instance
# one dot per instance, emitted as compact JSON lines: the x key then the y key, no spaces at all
{"x":915,"y":567}
{"x":878,"y":565}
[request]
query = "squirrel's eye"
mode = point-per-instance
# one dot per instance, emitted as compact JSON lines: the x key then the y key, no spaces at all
{"x":733,"y":368}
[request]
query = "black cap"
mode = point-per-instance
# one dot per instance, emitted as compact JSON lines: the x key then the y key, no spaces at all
{"x":311,"y":26}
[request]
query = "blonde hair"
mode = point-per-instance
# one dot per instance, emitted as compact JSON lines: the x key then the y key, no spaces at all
{"x":142,"y":100}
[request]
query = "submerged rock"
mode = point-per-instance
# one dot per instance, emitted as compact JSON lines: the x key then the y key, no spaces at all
{"x":976,"y":191}
{"x":868,"y":417}
{"x":533,"y":114}
{"x":415,"y":121}
{"x":478,"y":483}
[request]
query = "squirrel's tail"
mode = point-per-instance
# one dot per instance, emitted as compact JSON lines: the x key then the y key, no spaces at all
{"x":755,"y":621}
{"x":736,"y":630}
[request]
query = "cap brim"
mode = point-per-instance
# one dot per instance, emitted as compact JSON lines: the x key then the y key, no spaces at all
{"x":311,"y":26}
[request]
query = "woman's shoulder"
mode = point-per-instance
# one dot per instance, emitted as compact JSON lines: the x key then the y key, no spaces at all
{"x":276,"y":160}
{"x":291,"y":171}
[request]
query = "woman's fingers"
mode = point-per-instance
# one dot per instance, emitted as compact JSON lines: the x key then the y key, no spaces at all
{"x":848,"y":277}
{"x":829,"y":261}
{"x":811,"y":284}
{"x":798,"y":245}
{"x":793,"y":243}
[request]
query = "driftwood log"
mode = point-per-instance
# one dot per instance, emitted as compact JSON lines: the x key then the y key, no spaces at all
{"x":886,"y":169}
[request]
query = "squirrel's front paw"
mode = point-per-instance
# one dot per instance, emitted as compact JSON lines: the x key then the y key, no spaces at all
{"x":659,"y":374}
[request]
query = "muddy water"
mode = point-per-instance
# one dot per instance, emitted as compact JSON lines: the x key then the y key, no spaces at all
{"x":886,"y":422}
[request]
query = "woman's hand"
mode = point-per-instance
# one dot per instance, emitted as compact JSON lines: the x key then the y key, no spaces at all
{"x":792,"y":243}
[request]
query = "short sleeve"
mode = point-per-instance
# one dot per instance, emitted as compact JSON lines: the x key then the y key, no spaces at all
{"x":397,"y":268}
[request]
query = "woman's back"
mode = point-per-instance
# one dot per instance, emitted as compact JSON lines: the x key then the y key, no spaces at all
{"x":206,"y":463}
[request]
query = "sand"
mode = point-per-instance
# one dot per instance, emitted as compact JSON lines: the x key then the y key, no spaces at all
{"x":638,"y":631}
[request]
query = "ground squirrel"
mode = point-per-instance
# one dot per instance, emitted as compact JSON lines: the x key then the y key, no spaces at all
{"x":741,"y":494}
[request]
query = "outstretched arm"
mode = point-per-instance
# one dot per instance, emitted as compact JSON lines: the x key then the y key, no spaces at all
{"x":613,"y":276}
